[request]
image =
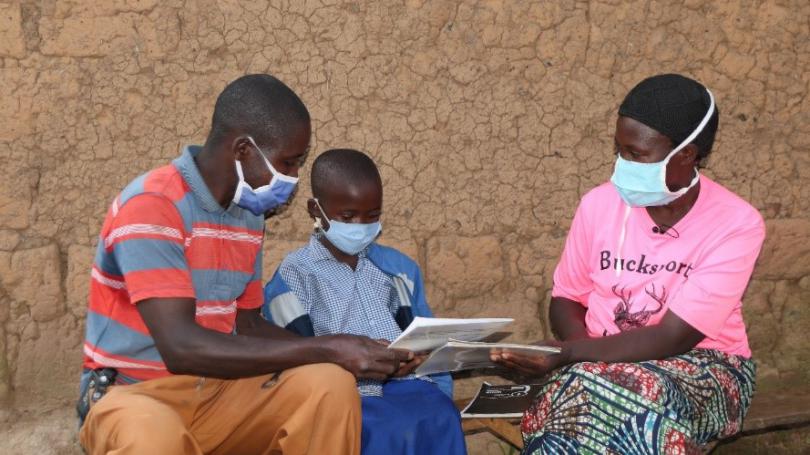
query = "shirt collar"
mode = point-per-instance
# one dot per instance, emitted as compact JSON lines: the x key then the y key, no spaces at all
{"x":191,"y":174}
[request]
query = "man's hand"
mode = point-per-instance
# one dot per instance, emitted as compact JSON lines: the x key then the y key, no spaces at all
{"x":365,"y":358}
{"x":531,"y":365}
{"x":407,"y":368}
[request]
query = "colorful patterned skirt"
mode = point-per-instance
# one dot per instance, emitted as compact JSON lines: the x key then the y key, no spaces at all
{"x":670,"y":406}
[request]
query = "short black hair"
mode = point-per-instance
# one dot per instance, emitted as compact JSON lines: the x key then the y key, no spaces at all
{"x":259,"y":105}
{"x":341,"y":166}
{"x":673,"y":105}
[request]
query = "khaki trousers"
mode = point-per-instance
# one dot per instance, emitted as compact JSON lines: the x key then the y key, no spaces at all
{"x":310,"y":409}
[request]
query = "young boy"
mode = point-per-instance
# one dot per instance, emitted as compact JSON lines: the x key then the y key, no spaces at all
{"x":344,"y":282}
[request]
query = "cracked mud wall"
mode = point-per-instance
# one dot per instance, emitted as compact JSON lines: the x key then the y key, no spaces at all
{"x":488,"y":119}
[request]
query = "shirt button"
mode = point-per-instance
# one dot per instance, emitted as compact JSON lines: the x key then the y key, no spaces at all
{"x":371,"y":323}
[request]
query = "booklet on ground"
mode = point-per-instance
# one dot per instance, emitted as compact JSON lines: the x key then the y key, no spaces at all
{"x":427,"y":334}
{"x":466,"y":355}
{"x":501,"y":401}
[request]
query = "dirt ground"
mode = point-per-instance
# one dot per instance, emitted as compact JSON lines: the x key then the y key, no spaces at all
{"x":51,"y":431}
{"x":47,"y":430}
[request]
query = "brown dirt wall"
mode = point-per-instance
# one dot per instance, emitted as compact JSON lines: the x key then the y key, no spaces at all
{"x":488,"y":119}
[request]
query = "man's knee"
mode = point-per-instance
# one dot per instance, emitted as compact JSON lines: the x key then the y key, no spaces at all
{"x":135,"y":424}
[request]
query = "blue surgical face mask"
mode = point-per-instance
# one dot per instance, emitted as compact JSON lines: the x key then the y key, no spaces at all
{"x":350,"y":238}
{"x":264,"y":198}
{"x":645,"y":184}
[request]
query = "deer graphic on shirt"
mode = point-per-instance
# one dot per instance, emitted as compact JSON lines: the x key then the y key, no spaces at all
{"x":627,"y":319}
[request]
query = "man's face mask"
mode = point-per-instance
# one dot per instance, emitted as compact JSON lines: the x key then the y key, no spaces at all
{"x":645,"y":184}
{"x":264,"y":198}
{"x":350,"y":238}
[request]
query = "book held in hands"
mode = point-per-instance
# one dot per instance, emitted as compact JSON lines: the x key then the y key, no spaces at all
{"x":454,"y":343}
{"x":427,"y":334}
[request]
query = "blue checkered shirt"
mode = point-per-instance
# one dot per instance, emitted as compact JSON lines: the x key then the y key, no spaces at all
{"x":338,"y":299}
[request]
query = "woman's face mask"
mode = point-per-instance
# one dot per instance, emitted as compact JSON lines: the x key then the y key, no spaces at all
{"x":267,"y":197}
{"x":645,"y":184}
{"x":350,"y":238}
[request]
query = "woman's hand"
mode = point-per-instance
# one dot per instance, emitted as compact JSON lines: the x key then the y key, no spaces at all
{"x":531,"y":365}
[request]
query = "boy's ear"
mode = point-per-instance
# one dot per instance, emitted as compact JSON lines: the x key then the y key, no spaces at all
{"x":312,"y":209}
{"x":316,"y":214}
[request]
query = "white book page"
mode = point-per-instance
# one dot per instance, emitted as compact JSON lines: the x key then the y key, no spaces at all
{"x":457,"y":356}
{"x":522,"y":348}
{"x":427,"y":334}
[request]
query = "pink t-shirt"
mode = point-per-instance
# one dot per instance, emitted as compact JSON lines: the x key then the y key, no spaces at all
{"x":699,"y":269}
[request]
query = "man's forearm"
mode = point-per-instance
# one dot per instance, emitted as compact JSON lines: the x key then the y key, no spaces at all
{"x":188,"y":348}
{"x":204,"y":352}
{"x":567,"y":319}
{"x":268,"y":330}
{"x":251,"y":323}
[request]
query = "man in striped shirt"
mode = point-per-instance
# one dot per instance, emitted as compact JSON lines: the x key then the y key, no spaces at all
{"x":175,"y":299}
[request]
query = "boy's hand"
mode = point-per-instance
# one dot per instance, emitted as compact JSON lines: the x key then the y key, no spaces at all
{"x":363,"y":357}
{"x":406,"y":368}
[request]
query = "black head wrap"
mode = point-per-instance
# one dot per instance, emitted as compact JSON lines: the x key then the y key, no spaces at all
{"x":674,"y":106}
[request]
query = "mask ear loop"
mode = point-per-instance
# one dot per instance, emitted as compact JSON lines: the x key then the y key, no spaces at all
{"x":686,"y":142}
{"x":276,"y":174}
{"x":238,"y":193}
{"x":239,"y":171}
{"x":318,"y":223}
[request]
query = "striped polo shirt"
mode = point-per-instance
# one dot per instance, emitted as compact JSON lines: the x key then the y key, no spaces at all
{"x":165,"y":236}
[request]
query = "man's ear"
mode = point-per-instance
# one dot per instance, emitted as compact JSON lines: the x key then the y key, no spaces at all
{"x":240,"y":147}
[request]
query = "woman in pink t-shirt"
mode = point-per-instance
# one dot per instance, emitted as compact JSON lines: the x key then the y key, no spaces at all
{"x":647,"y":295}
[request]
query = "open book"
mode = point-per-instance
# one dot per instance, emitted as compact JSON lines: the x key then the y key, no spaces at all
{"x":466,"y":355}
{"x":501,"y":401}
{"x":427,"y":334}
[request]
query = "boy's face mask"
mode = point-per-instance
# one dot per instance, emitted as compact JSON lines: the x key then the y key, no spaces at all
{"x":264,"y":198}
{"x":645,"y":184}
{"x":350,"y":238}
